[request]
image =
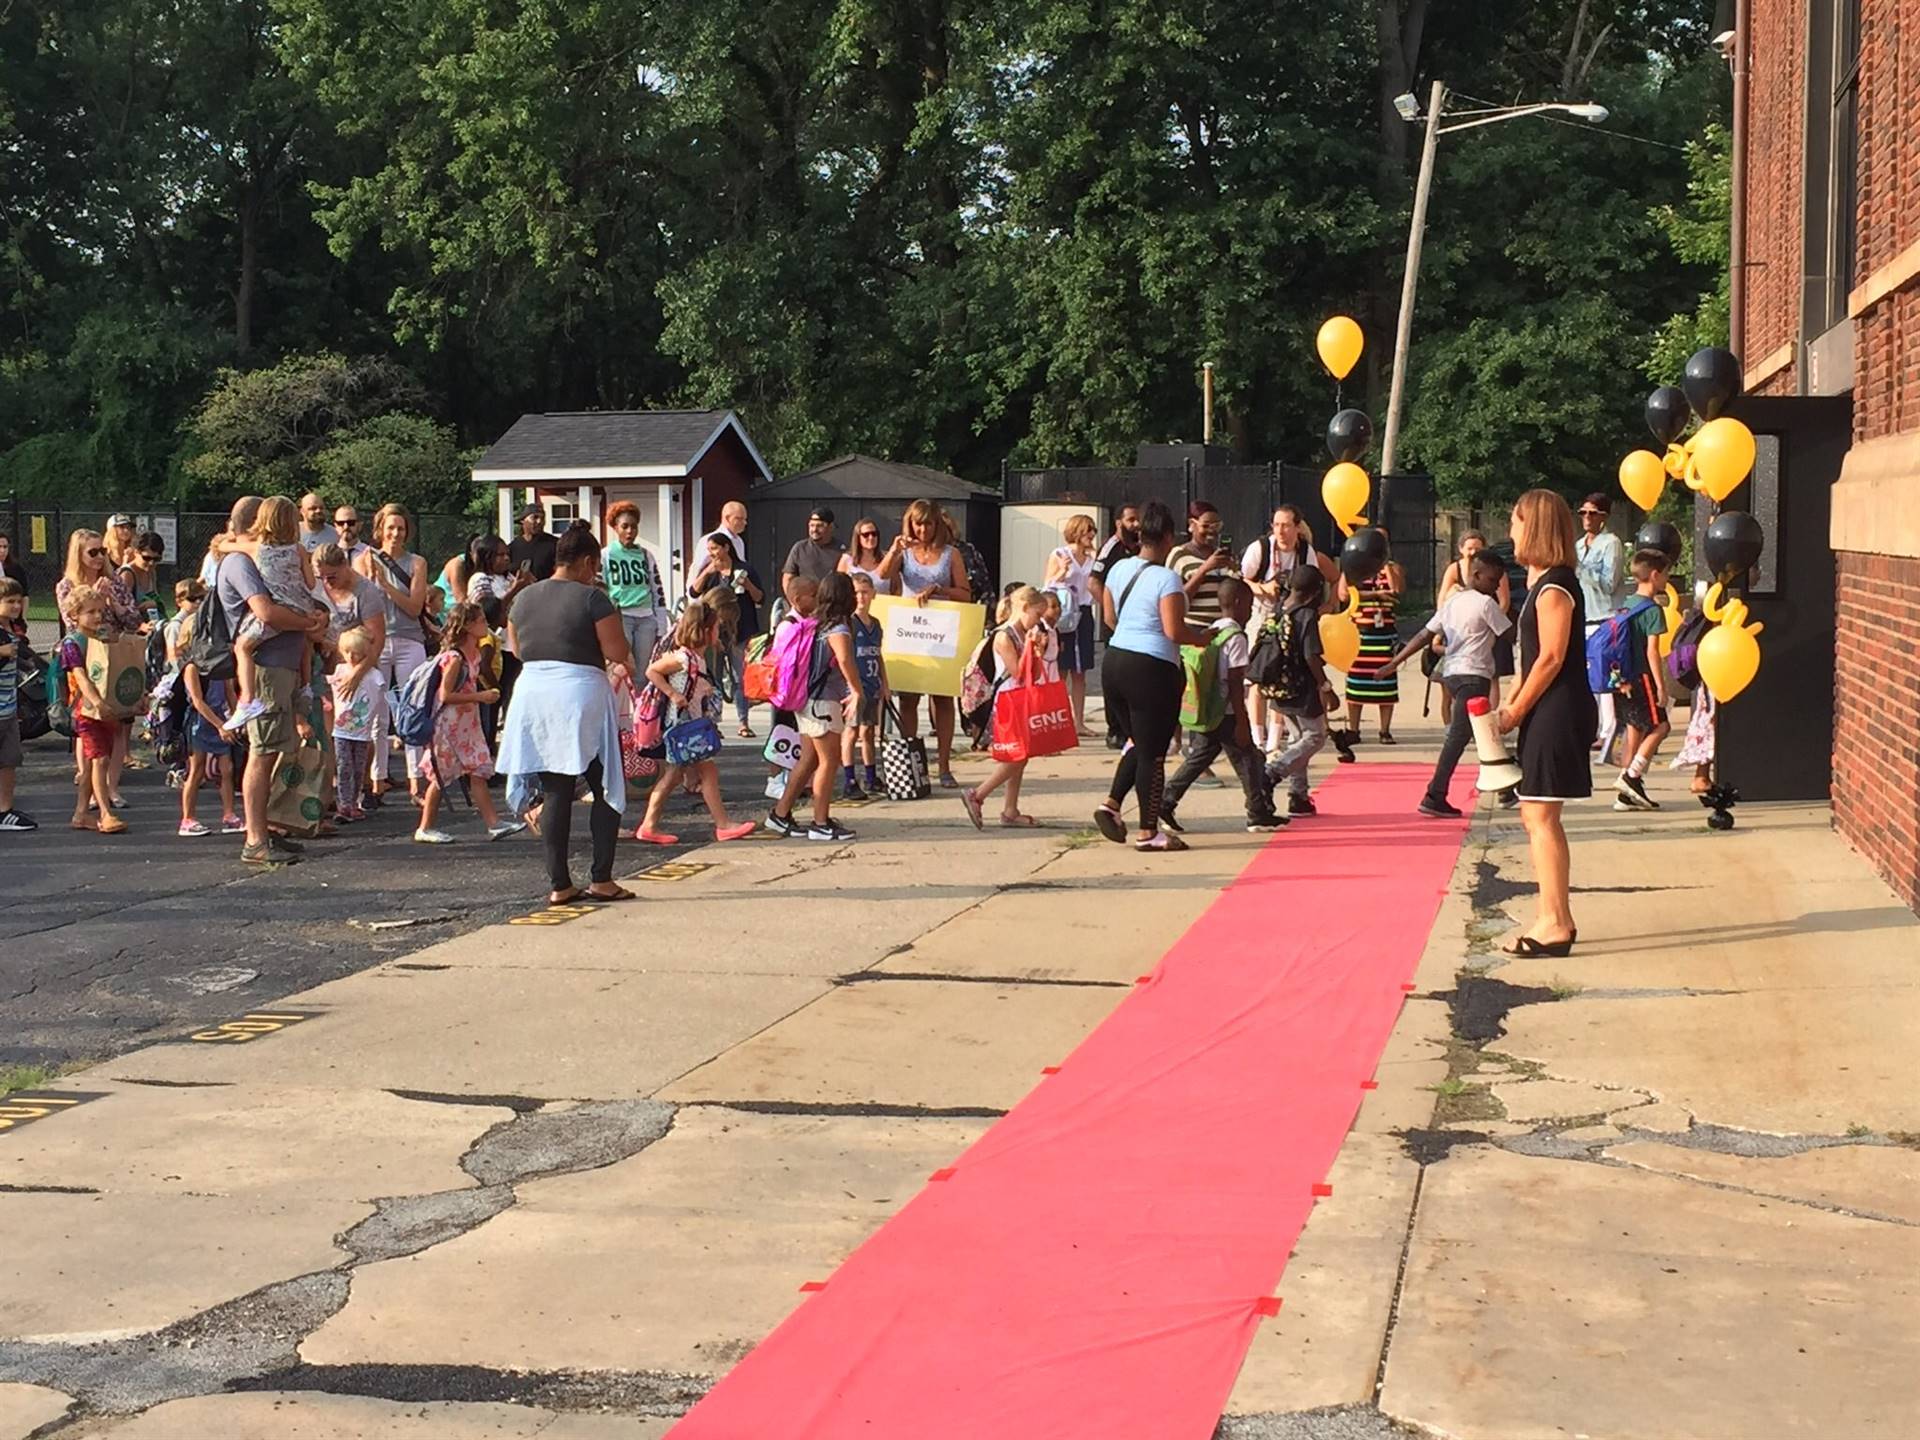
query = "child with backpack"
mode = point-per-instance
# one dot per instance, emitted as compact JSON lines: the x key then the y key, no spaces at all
{"x":815,"y":677}
{"x":13,"y":604}
{"x":1640,"y":696}
{"x":459,"y":748}
{"x":88,"y":610}
{"x":867,"y":636}
{"x":359,"y":688}
{"x":1291,"y":671}
{"x":1019,"y":639}
{"x":209,"y":751}
{"x":1214,"y":714}
{"x":1469,"y":625}
{"x":688,"y":707}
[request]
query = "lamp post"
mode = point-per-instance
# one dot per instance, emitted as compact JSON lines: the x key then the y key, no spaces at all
{"x":1409,"y":109}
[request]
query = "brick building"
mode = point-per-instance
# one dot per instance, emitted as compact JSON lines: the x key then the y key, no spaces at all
{"x":1827,"y":304}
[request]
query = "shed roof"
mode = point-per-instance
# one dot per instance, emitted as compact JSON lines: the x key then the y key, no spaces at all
{"x":609,"y":445}
{"x":861,"y":477}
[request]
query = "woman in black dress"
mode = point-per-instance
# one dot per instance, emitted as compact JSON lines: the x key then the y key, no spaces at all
{"x":1553,"y":710}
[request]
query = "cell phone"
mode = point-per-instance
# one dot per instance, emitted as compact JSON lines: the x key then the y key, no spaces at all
{"x":526,"y":567}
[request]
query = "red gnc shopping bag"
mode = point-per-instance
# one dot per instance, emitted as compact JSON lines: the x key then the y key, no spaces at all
{"x":1033,"y":718}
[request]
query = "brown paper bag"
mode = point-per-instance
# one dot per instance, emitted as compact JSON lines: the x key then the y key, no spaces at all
{"x":118,"y":670}
{"x":293,"y":795}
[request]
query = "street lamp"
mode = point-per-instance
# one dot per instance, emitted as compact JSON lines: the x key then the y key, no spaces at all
{"x":1409,"y":110}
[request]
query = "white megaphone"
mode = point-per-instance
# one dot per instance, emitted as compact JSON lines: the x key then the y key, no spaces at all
{"x":1497,"y":770}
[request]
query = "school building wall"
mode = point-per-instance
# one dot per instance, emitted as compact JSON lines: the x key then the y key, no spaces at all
{"x":1875,"y":528}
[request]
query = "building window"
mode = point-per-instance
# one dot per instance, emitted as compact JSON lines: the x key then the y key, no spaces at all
{"x":1844,"y":161}
{"x":1831,"y":233}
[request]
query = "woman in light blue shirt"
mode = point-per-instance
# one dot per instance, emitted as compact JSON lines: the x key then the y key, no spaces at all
{"x":1141,"y":678}
{"x":1600,"y":564}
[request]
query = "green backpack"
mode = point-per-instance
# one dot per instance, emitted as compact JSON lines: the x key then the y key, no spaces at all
{"x":1202,"y":706}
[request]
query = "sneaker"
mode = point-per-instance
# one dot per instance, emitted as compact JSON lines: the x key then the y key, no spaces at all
{"x":1301,"y":805}
{"x":1439,"y":809}
{"x":1634,"y":791}
{"x":17,"y":820}
{"x":1266,"y":825}
{"x":232,"y":825}
{"x":189,"y":830}
{"x":505,"y":828}
{"x":832,"y":830}
{"x":432,"y":837}
{"x":1167,"y":822}
{"x":853,"y":791}
{"x":1509,"y":798}
{"x":782,"y":825}
{"x":249,"y":711}
{"x":1114,"y":742}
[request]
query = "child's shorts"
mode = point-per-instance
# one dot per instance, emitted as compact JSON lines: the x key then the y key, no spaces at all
{"x":1639,"y":704}
{"x":10,"y":752}
{"x":253,"y":630}
{"x":95,"y":737}
{"x":822,"y":718}
{"x":203,"y":738}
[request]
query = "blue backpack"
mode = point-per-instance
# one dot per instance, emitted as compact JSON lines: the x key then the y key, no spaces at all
{"x":1610,"y":649}
{"x":416,"y":702}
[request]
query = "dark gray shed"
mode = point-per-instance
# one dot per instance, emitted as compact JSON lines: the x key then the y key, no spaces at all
{"x":856,"y":487}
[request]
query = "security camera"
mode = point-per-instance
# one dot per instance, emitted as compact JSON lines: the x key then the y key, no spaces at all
{"x":1407,"y":105}
{"x":1724,"y":43}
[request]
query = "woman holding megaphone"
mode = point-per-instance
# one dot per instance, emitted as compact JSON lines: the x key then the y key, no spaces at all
{"x":1553,"y":711}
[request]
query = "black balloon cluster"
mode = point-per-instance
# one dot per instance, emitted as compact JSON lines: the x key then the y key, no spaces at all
{"x":1712,"y":381}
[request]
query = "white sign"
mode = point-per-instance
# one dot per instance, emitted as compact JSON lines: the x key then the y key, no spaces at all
{"x":934,"y":634}
{"x":167,"y":527}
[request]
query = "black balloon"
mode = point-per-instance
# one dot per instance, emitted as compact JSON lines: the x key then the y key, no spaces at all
{"x":1734,"y":542}
{"x":1667,"y":414}
{"x":1658,"y":535}
{"x":1349,"y":434}
{"x":1364,"y":554}
{"x":1712,"y":380}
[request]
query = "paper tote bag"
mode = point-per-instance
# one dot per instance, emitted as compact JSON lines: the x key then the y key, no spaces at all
{"x":1032,"y":719}
{"x":293,"y":795}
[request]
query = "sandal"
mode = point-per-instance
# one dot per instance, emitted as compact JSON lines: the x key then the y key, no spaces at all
{"x":1017,"y":821}
{"x":115,"y":826}
{"x":972,"y":803}
{"x":564,"y":897}
{"x":745,"y":732}
{"x":1160,"y":840}
{"x":1529,"y":948}
{"x":1107,"y":821}
{"x":947,"y":782}
{"x":620,"y":892}
{"x":1386,"y":738}
{"x":86,"y":824}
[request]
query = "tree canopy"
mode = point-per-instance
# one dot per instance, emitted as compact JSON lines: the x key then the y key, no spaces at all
{"x":947,"y":231}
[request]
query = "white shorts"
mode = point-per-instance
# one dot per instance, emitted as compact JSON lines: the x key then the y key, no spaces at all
{"x":822,"y":717}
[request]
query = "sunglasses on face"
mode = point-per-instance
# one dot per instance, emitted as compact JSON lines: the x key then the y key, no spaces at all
{"x":346,"y":524}
{"x":1589,"y":514}
{"x":96,"y":551}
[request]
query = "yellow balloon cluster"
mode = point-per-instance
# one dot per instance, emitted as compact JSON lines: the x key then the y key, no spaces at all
{"x":1340,"y":636}
{"x":1344,"y":491}
{"x":1729,"y":656}
{"x":1340,"y":343}
{"x":1715,"y":459}
{"x":1670,"y":607}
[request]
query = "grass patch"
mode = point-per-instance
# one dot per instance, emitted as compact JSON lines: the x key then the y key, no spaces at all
{"x":24,"y":1077}
{"x":1857,"y":1131}
{"x":1460,"y":1100}
{"x":1080,"y":839}
{"x":1452,"y":1085}
{"x":1564,"y":989}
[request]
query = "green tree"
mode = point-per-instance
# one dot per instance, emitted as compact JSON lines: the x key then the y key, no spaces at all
{"x":1697,"y":232}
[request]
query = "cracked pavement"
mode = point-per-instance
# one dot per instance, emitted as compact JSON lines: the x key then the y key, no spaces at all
{"x":555,"y":1181}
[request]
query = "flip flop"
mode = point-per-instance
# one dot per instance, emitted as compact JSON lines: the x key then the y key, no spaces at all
{"x":86,"y":825}
{"x":1108,"y":823}
{"x":565,"y":899}
{"x":973,"y":809}
{"x":745,"y":732}
{"x":620,"y":892}
{"x":112,"y":827}
{"x":1017,"y":821}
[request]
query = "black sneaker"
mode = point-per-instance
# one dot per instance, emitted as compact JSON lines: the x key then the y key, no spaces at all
{"x":782,"y":825}
{"x":1343,"y":743}
{"x":832,"y":830}
{"x":854,"y":792}
{"x":1439,"y":809}
{"x":16,"y":820}
{"x":1634,"y":791}
{"x":1509,"y":798}
{"x":1114,"y":742}
{"x":1167,"y":822}
{"x":1265,"y":825}
{"x":1301,"y":805}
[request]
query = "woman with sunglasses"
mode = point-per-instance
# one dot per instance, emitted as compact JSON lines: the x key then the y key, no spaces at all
{"x":140,"y":573}
{"x":1601,"y":567}
{"x":88,"y":564}
{"x":866,"y":556}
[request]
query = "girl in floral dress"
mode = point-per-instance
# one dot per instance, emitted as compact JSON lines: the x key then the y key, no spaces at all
{"x":459,"y":745}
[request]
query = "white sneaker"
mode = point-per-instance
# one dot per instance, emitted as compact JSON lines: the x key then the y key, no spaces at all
{"x":249,"y":711}
{"x":432,"y":837}
{"x":505,"y":828}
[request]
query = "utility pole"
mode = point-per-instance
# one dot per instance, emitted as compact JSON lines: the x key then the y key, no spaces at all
{"x":1403,"y":337}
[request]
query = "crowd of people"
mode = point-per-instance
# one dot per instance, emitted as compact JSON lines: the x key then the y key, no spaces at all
{"x":558,"y":662}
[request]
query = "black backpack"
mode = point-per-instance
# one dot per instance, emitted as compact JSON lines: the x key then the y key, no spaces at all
{"x":979,"y":577}
{"x":210,"y":649}
{"x":1278,"y":665}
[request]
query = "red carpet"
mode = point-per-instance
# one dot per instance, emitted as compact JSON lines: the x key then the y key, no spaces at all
{"x":1094,"y":1267}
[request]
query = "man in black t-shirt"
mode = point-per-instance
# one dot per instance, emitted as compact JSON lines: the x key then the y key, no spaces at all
{"x":532,"y":548}
{"x":1124,"y":541}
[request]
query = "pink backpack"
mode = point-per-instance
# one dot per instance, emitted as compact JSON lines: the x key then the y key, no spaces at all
{"x":793,"y":661}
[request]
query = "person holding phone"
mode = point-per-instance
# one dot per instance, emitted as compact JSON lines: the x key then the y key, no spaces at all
{"x":1203,"y":563}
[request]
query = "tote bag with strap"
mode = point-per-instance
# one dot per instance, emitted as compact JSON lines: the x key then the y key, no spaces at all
{"x":1032,"y":718}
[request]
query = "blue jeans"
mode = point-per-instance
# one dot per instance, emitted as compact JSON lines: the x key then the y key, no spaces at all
{"x":1459,"y":730}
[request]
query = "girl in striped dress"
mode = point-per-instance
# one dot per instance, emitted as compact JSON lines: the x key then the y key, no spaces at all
{"x":1373,"y":680}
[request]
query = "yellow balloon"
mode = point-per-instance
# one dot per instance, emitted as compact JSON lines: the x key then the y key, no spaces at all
{"x":1643,"y":477}
{"x":1670,"y":607}
{"x":1344,"y":490}
{"x":1340,"y":343}
{"x":1723,"y":453}
{"x":1729,"y":657}
{"x":1676,"y":461}
{"x":1340,"y":640}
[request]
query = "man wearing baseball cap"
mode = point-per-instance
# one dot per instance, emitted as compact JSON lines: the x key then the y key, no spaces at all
{"x":532,"y":549}
{"x":815,"y":557}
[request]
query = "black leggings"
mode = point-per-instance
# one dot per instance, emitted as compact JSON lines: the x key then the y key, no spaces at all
{"x":556,"y":826}
{"x":1142,"y":694}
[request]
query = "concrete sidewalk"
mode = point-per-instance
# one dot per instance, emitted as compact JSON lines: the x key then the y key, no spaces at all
{"x":554,"y":1177}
